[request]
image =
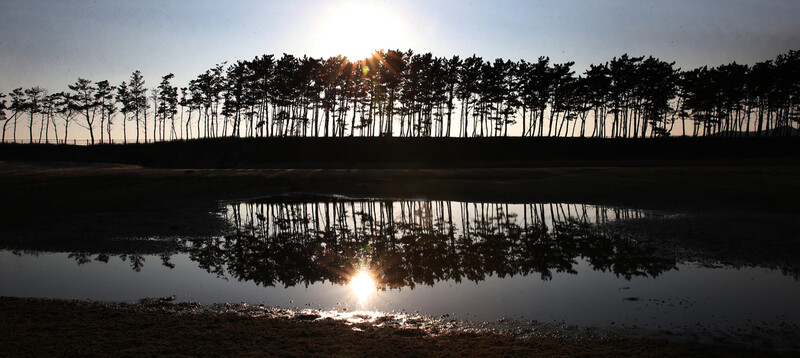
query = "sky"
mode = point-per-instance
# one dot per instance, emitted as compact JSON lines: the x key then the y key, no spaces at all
{"x":52,"y":43}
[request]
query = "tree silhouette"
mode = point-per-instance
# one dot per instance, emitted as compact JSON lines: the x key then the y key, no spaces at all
{"x":104,"y":100}
{"x":535,"y":90}
{"x":154,"y":96}
{"x":32,"y":106}
{"x":85,"y":103}
{"x":658,"y":86}
{"x":235,"y":101}
{"x":3,"y":117}
{"x":138,"y":101}
{"x":18,"y":105}
{"x":468,"y":79}
{"x":598,"y":85}
{"x":124,"y":98}
{"x":168,"y":105}
{"x":787,"y":67}
{"x":48,"y":117}
{"x":66,"y":109}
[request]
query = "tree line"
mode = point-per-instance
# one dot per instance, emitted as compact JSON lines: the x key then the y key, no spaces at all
{"x":405,"y":94}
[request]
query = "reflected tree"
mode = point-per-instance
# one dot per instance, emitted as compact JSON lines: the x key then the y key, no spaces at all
{"x":409,"y":243}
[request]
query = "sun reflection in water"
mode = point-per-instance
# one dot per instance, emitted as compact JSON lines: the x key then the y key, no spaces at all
{"x":363,"y":286}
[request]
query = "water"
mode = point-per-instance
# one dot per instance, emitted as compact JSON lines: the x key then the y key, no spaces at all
{"x":470,"y":261}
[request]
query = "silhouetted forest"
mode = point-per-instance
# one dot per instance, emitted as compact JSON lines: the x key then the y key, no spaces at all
{"x":406,"y":243}
{"x":404,"y":94}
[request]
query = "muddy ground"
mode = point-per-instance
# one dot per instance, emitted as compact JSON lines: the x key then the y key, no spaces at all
{"x":35,"y":327}
{"x":57,"y":206}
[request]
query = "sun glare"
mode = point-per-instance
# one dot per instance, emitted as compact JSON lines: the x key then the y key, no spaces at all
{"x":363,"y":286}
{"x":357,"y":30}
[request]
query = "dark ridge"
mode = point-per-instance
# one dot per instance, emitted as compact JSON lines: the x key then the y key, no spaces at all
{"x":355,"y":152}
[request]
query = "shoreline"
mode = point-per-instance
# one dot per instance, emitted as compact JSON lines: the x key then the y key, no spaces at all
{"x":74,"y":327}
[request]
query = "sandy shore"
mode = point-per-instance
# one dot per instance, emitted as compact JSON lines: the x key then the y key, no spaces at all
{"x":35,"y":327}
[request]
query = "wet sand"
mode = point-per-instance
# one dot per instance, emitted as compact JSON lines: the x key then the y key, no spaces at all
{"x":36,"y":327}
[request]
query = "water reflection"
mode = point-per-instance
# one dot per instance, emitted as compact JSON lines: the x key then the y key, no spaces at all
{"x":363,"y":286}
{"x":136,"y":260}
{"x":287,"y":254}
{"x":407,"y":243}
{"x":411,"y":242}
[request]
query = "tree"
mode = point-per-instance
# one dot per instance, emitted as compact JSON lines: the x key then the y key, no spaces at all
{"x":168,"y":105}
{"x":111,"y":110}
{"x":85,"y":103}
{"x":328,"y":76}
{"x":124,"y":98}
{"x":468,"y":79}
{"x":562,"y":85}
{"x":184,"y":102}
{"x":104,"y":100}
{"x":536,"y":87}
{"x":598,"y":84}
{"x":66,"y":108}
{"x":138,"y":100}
{"x":18,"y":105}
{"x":3,"y":117}
{"x":309,"y":89}
{"x":154,"y":96}
{"x":622,"y":94}
{"x":393,"y":66}
{"x":33,"y":106}
{"x":451,"y":81}
{"x":787,"y":106}
{"x":699,"y":97}
{"x":209,"y":86}
{"x":48,"y":117}
{"x":262,"y":71}
{"x":235,"y":93}
{"x":658,"y":86}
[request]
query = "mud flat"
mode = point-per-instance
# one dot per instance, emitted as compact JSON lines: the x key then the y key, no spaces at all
{"x":36,"y":327}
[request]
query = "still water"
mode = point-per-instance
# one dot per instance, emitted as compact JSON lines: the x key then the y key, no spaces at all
{"x":471,"y":261}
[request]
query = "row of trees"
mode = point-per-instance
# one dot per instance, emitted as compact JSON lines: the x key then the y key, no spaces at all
{"x":396,"y":93}
{"x":91,"y":106}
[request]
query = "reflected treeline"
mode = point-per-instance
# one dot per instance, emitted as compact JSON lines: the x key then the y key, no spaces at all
{"x":136,"y":260}
{"x":406,"y":243}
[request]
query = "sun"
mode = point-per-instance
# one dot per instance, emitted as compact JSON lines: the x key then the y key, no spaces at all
{"x":363,"y":286}
{"x":357,"y":29}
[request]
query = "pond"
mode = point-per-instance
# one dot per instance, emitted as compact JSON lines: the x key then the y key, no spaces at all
{"x":545,"y":262}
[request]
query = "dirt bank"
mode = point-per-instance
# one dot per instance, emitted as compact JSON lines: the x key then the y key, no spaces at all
{"x":36,"y":327}
{"x":41,"y":187}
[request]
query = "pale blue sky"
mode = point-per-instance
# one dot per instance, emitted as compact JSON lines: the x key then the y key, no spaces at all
{"x":52,"y":43}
